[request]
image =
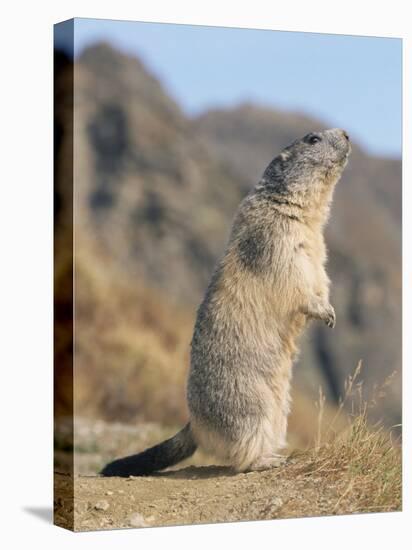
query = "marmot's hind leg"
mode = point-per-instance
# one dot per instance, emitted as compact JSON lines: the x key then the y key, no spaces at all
{"x":267,"y":463}
{"x":258,"y":449}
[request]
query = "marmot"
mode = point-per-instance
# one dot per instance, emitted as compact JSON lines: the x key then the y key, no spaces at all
{"x":269,"y":282}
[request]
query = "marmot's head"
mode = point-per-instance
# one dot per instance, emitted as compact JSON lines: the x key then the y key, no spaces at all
{"x":309,"y":167}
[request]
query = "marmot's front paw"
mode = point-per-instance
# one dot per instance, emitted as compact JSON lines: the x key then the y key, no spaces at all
{"x":321,"y":311}
{"x":330,"y":317}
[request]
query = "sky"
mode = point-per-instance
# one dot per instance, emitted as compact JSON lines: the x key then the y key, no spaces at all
{"x":344,"y":81}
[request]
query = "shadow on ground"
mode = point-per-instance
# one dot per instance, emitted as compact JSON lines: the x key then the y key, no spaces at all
{"x":44,"y":513}
{"x":197,"y":472}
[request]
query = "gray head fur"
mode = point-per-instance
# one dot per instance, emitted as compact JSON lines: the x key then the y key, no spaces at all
{"x":302,"y":171}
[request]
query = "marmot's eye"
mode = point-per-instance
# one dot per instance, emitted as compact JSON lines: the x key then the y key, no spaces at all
{"x":314,"y":139}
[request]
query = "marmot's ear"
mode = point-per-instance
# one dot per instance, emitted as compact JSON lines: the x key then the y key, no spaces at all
{"x":285,"y":155}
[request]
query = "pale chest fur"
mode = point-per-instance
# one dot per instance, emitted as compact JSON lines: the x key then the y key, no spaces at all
{"x":263,"y":291}
{"x":309,"y":260}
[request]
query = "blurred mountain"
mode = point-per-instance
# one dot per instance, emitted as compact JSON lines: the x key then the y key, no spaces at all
{"x":148,"y":191}
{"x":155,"y":194}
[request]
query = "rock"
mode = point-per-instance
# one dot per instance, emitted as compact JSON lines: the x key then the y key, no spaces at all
{"x":137,"y":520}
{"x":102,"y":505}
{"x":109,"y":493}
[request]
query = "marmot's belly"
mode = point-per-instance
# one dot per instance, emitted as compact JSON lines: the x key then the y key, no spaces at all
{"x":229,"y":386}
{"x":239,"y":360}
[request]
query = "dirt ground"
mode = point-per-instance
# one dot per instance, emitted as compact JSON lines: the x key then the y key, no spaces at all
{"x":193,"y":492}
{"x":192,"y":495}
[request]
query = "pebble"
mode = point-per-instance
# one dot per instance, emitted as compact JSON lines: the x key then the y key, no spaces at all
{"x":137,"y":520}
{"x":277,"y":502}
{"x":109,"y":493}
{"x":80,"y":507}
{"x":101,"y":505}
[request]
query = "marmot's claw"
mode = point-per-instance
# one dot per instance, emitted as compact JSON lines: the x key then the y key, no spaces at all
{"x":330,"y":318}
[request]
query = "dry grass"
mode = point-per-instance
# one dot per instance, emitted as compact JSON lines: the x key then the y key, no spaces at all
{"x":131,"y":352}
{"x":362,"y":462}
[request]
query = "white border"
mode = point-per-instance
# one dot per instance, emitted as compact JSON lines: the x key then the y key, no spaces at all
{"x":26,"y":267}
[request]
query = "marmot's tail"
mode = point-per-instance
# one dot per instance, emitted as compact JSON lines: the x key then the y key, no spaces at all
{"x":165,"y":454}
